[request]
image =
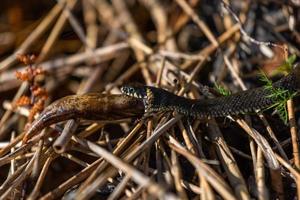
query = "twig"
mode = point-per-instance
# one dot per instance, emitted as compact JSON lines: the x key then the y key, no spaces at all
{"x":295,"y":140}
{"x":37,"y":32}
{"x":55,"y":33}
{"x":189,"y":11}
{"x":216,"y":181}
{"x":260,"y":176}
{"x":36,"y":191}
{"x":228,"y":161}
{"x":104,"y":54}
{"x":146,"y":144}
{"x":75,"y":24}
{"x":244,"y":33}
{"x":61,"y":142}
{"x":137,"y":176}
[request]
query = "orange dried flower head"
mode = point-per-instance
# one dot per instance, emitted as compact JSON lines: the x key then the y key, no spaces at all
{"x":38,"y":94}
{"x":26,"y":59}
{"x":22,"y":76}
{"x":23,"y":101}
{"x":36,"y":108}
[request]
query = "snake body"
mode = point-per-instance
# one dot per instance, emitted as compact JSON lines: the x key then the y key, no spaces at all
{"x":157,"y":99}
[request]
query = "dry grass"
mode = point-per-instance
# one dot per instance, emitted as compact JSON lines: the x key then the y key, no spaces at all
{"x":97,"y":46}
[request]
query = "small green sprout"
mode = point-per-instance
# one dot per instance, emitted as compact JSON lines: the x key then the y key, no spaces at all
{"x":221,"y":90}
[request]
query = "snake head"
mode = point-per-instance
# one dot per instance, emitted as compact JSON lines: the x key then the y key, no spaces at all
{"x":140,"y":92}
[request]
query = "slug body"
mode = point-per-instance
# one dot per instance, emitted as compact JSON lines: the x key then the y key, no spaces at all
{"x":156,"y":99}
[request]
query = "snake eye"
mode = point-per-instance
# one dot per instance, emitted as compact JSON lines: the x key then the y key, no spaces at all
{"x":131,"y":90}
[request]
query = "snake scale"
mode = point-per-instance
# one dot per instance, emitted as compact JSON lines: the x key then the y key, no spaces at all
{"x":156,"y":99}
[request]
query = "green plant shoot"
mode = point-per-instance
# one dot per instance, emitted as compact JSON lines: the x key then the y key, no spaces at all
{"x":220,"y":89}
{"x":278,"y":95}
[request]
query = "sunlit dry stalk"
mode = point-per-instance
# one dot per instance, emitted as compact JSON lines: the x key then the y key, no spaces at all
{"x":60,"y":23}
{"x":216,"y":181}
{"x":119,"y":148}
{"x":8,"y":113}
{"x":261,"y":142}
{"x":288,"y":167}
{"x":36,"y":191}
{"x":90,"y":17}
{"x":207,"y":193}
{"x":75,"y":159}
{"x":133,"y":154}
{"x":8,"y":182}
{"x":146,"y":156}
{"x":229,"y":164}
{"x":19,"y":179}
{"x":75,"y":24}
{"x":187,"y":139}
{"x":120,"y":188}
{"x":12,"y":162}
{"x":234,"y":72}
{"x":103,"y":53}
{"x":12,"y":144}
{"x":60,"y":144}
{"x":189,"y":186}
{"x":36,"y":33}
{"x":193,"y":75}
{"x":160,"y":18}
{"x":293,"y":130}
{"x":205,"y":52}
{"x":153,"y":188}
{"x":273,"y":136}
{"x":72,"y":181}
{"x":106,"y":171}
{"x":243,"y":32}
{"x":177,"y":175}
{"x":189,"y":11}
{"x":295,"y":139}
{"x":181,"y":19}
{"x":20,"y":150}
{"x":260,"y":176}
{"x":276,"y":177}
{"x":37,"y":162}
{"x":132,"y":29}
{"x":253,"y":150}
{"x":179,"y":55}
{"x":205,"y":186}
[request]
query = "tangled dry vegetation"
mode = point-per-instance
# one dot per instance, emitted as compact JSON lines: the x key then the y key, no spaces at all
{"x":51,"y":49}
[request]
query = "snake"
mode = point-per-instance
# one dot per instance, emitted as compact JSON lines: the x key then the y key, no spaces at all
{"x":158,"y":99}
